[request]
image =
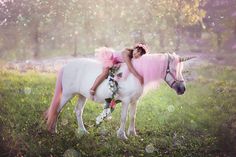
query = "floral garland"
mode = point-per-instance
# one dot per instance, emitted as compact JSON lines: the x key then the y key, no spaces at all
{"x":110,"y":103}
{"x":113,"y":86}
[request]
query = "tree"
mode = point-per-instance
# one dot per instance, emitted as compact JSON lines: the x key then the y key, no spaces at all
{"x":219,"y":18}
{"x":175,"y":16}
{"x":81,"y":25}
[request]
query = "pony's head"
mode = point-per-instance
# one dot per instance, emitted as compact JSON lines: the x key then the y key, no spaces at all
{"x":173,"y":76}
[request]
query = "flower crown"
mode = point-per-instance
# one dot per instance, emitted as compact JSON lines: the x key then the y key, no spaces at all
{"x":143,"y":47}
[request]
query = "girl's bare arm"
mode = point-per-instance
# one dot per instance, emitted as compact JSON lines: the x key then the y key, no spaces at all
{"x":131,"y":68}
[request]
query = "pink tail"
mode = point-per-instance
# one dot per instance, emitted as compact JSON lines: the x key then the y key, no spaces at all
{"x":51,"y":113}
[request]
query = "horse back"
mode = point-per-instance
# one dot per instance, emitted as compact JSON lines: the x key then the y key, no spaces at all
{"x":79,"y":75}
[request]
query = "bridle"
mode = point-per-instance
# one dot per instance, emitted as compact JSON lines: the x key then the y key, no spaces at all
{"x":173,"y":79}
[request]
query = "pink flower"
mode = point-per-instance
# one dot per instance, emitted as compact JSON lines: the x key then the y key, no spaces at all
{"x":113,"y":104}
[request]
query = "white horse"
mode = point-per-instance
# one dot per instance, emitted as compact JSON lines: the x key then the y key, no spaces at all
{"x":76,"y":78}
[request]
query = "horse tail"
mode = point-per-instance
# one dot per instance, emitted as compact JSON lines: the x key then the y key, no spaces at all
{"x":51,"y":113}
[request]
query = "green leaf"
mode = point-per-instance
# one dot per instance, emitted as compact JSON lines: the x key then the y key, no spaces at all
{"x":118,"y":101}
{"x":108,"y":100}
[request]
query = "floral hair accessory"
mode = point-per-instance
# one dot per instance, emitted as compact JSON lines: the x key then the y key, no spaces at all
{"x":143,"y":47}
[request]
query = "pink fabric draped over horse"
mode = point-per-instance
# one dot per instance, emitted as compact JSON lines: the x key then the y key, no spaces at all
{"x":152,"y":67}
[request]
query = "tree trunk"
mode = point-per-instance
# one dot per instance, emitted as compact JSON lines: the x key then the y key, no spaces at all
{"x":75,"y":45}
{"x":178,"y":34}
{"x":235,"y":30}
{"x":36,"y":49}
{"x":177,"y":42}
{"x":198,"y":31}
{"x":178,"y":28}
{"x":219,"y":41}
{"x":162,"y":39}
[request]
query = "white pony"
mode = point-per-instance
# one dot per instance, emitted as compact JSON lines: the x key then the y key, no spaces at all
{"x":76,"y":78}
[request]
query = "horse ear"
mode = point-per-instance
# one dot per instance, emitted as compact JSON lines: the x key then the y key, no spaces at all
{"x":183,"y":59}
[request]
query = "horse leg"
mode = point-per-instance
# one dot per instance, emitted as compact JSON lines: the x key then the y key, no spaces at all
{"x":133,"y":108}
{"x":121,"y":131}
{"x":64,"y":100}
{"x":79,"y":108}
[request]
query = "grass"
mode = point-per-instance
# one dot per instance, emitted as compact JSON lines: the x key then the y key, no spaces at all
{"x":199,"y":123}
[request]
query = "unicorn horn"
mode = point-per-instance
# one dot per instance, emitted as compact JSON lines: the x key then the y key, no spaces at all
{"x":183,"y":59}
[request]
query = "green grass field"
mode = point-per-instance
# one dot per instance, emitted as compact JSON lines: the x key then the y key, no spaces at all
{"x":202,"y":122}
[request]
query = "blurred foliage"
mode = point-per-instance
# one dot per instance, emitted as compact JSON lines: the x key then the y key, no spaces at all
{"x":78,"y":26}
{"x":221,"y":19}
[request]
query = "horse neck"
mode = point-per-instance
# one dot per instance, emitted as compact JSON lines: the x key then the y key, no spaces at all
{"x":152,"y":67}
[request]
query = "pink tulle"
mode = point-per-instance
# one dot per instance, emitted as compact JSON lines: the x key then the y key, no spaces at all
{"x":105,"y":55}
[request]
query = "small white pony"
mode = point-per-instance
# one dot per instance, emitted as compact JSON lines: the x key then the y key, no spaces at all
{"x":76,"y":78}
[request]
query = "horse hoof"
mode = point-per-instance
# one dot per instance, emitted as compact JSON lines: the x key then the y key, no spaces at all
{"x":79,"y":133}
{"x":52,"y":131}
{"x":132,"y":133}
{"x":83,"y":131}
{"x":121,"y":135}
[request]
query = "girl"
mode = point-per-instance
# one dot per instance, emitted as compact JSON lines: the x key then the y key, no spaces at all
{"x":109,"y":57}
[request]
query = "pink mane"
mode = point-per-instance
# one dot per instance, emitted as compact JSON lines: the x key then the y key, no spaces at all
{"x":152,"y":67}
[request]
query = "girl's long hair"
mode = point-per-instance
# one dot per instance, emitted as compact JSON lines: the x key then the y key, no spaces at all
{"x":143,"y":51}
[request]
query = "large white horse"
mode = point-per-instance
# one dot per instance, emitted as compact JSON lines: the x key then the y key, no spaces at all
{"x":77,"y":77}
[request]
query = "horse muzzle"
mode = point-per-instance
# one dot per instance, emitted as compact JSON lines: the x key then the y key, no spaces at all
{"x":179,"y":87}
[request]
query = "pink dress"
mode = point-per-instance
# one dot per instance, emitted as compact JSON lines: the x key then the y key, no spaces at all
{"x":108,"y":56}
